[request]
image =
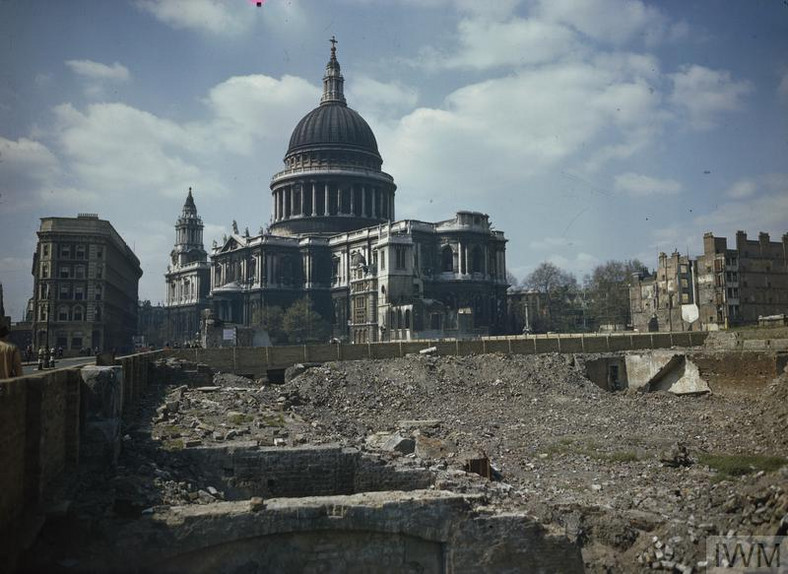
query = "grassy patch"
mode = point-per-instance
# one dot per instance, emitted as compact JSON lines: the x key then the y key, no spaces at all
{"x":590,"y":449}
{"x":240,"y":418}
{"x":731,"y":465}
{"x":273,"y":420}
{"x":622,"y":456}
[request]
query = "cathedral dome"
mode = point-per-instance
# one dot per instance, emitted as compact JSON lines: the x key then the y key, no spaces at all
{"x":333,"y":124}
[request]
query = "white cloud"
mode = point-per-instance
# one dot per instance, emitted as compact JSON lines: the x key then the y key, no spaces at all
{"x":381,"y":99}
{"x":610,"y":21}
{"x":493,"y":134}
{"x":580,"y":264}
{"x":25,"y":166}
{"x":487,"y":43}
{"x":250,"y":109}
{"x":217,"y":17}
{"x":97,"y":71}
{"x":763,"y":213}
{"x":705,"y":94}
{"x":115,"y":148}
{"x":638,"y":185}
{"x":741,"y":189}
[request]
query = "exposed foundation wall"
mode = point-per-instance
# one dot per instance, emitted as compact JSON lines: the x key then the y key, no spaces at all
{"x":731,"y":372}
{"x":257,"y":361}
{"x":418,"y":531}
{"x":249,"y":470}
{"x":743,"y":372}
{"x":40,"y":437}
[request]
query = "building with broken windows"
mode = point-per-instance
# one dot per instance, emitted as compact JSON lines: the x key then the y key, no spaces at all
{"x":85,"y":284}
{"x":723,"y":287}
{"x":334,"y":240}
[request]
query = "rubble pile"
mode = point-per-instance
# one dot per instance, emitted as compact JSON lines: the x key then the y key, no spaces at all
{"x":638,"y":480}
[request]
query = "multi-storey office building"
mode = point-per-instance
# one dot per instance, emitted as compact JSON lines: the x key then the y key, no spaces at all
{"x":85,"y":285}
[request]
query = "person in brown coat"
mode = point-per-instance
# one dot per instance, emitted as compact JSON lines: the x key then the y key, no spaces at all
{"x":10,"y":357}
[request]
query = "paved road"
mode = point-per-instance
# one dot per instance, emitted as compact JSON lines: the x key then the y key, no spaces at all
{"x":32,"y":368}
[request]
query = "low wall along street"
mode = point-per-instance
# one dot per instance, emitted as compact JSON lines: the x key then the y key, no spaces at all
{"x":42,"y":433}
{"x":257,"y":361}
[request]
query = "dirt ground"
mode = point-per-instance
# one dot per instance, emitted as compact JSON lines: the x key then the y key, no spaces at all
{"x":630,"y":476}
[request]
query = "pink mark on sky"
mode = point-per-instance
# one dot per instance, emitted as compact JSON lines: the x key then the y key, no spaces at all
{"x":257,"y":2}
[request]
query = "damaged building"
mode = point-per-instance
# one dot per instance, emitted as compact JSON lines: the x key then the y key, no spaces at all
{"x":721,"y":288}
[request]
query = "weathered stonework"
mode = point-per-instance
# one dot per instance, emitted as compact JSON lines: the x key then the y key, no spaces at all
{"x":419,"y":531}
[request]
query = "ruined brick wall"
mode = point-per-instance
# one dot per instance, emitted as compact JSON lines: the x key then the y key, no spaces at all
{"x":248,"y":470}
{"x":742,"y":372}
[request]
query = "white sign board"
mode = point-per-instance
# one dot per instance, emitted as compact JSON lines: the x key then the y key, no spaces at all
{"x":690,"y":313}
{"x":228,"y":334}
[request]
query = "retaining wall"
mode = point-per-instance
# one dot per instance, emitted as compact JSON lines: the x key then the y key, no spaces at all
{"x":40,"y":435}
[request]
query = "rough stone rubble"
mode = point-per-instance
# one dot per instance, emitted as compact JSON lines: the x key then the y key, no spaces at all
{"x":618,"y":472}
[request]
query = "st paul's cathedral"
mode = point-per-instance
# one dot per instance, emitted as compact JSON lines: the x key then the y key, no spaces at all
{"x":334,"y":241}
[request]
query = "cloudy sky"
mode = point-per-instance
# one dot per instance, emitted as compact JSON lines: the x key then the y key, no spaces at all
{"x":588,"y":129}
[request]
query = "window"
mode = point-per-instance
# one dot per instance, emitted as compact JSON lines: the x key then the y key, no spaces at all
{"x":98,"y":293}
{"x":65,"y":272}
{"x":79,"y":271}
{"x":45,"y":270}
{"x":476,"y":260}
{"x":382,"y":260}
{"x":78,"y":313}
{"x":65,"y":251}
{"x":80,"y":252}
{"x":99,"y":272}
{"x":45,"y":250}
{"x":79,"y":293}
{"x":43,"y":291}
{"x":400,"y":255}
{"x":98,"y":312}
{"x":65,"y":292}
{"x":99,"y":252}
{"x":76,"y":341}
{"x":62,"y":313}
{"x":447,"y":259}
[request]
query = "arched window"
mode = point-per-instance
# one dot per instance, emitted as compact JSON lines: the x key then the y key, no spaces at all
{"x":407,"y":318}
{"x":399,"y":318}
{"x":78,"y":314}
{"x":447,"y":259}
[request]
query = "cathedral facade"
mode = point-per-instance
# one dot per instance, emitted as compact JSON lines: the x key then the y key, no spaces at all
{"x":334,"y":241}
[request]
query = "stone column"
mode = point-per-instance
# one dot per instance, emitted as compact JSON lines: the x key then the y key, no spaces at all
{"x":363,"y":201}
{"x":326,"y":210}
{"x":462,"y":259}
{"x":314,"y":199}
{"x":291,"y":191}
{"x":372,"y":193}
{"x":352,"y":200}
